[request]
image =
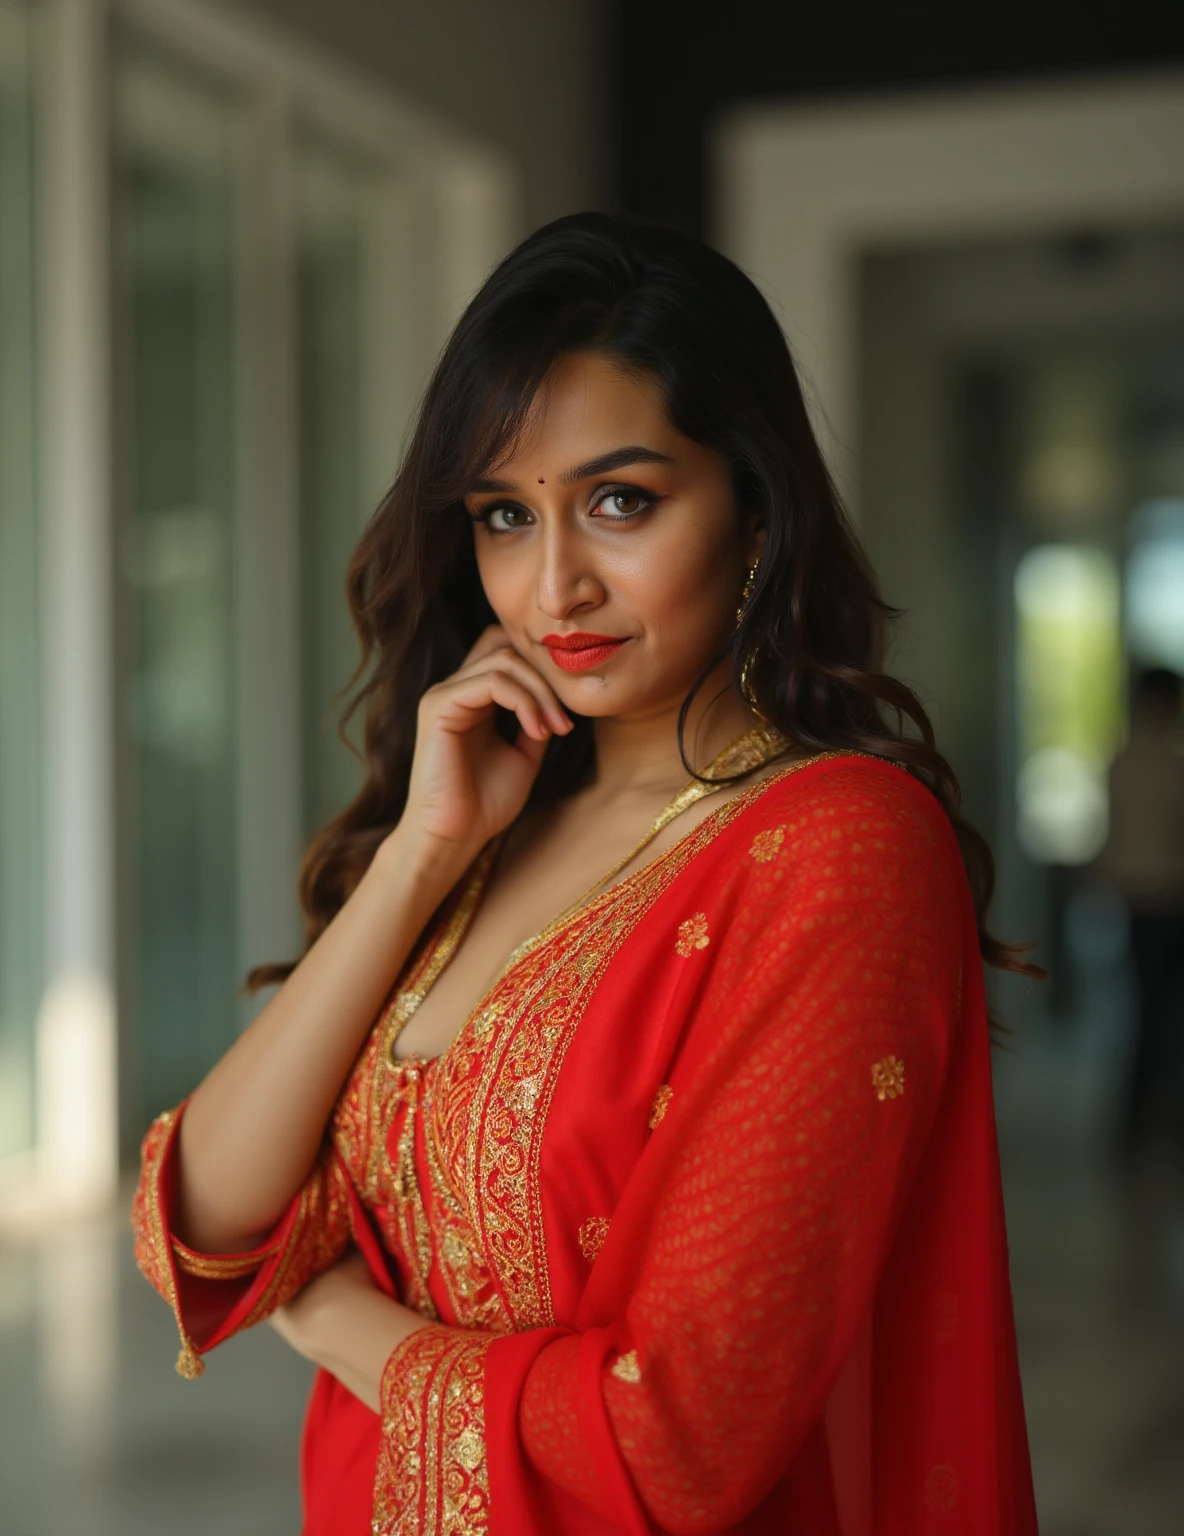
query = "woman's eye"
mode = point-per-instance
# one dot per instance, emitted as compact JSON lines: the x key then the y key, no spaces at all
{"x":504,"y":519}
{"x":623,"y":503}
{"x":616,"y":505}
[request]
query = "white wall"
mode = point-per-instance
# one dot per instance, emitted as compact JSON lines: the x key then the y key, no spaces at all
{"x":527,"y":75}
{"x":800,"y":191}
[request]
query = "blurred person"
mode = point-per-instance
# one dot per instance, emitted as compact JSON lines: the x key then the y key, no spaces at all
{"x":1144,"y":860}
{"x":622,"y":1146}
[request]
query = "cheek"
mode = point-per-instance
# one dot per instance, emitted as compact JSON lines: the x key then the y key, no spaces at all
{"x":685,"y":588}
{"x":506,"y":589}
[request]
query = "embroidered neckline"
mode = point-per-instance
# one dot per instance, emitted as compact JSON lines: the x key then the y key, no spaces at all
{"x":405,"y":1003}
{"x":754,"y":749}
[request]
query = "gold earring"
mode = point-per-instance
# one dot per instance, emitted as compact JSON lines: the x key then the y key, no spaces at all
{"x":749,"y":583}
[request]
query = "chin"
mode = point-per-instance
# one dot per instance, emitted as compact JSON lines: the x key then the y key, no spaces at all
{"x":597,"y":696}
{"x":594,"y":696}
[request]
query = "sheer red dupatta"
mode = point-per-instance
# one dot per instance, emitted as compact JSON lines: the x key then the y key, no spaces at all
{"x":800,"y":1319}
{"x":759,"y":1219}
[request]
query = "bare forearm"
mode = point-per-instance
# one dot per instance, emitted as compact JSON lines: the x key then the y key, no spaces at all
{"x":349,"y":1331}
{"x":252,"y":1129}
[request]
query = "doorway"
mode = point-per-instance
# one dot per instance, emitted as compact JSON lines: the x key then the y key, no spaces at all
{"x":1022,"y":472}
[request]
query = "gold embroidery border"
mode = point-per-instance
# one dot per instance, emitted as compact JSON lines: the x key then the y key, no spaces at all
{"x":437,"y":953}
{"x":386,"y":1081}
{"x":384,"y":1074}
{"x":307,"y":1214}
{"x":431,"y":1478}
{"x":408,"y":1208}
{"x":354,"y":1124}
{"x":217,"y":1266}
{"x":165,"y":1251}
{"x":473,"y":1292}
{"x":156,"y":1144}
{"x":265,"y":1303}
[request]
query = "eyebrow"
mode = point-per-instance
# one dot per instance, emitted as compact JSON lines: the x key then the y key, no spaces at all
{"x":603,"y":464}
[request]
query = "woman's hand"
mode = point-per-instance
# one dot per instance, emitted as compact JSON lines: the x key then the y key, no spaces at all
{"x":298,"y":1323}
{"x":467,"y":784}
{"x":344,"y":1323}
{"x":251,"y":1133}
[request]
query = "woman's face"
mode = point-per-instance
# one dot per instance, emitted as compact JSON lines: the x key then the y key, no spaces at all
{"x":609,"y":545}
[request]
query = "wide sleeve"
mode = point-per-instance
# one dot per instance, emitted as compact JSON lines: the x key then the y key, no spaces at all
{"x":745,"y":1254}
{"x":216,"y":1295}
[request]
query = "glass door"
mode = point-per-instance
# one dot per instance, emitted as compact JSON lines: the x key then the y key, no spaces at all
{"x":176,"y":163}
{"x":338,"y":210}
{"x":288,"y":244}
{"x":20,"y":843}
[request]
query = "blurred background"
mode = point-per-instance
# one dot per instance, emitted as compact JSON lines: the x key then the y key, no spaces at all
{"x":232,"y":238}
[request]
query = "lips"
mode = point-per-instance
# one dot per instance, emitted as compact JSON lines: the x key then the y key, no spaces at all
{"x":578,"y":652}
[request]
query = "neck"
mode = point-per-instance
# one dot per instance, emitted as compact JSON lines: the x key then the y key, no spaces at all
{"x":639,"y":752}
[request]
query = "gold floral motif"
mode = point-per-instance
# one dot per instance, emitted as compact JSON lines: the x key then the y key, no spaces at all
{"x":888,"y":1078}
{"x":626,"y":1368}
{"x":469,"y":1449}
{"x":592,"y":1235}
{"x":766,"y":844}
{"x":661,"y":1104}
{"x":692,"y":934}
{"x":524,"y":1095}
{"x":431,"y":1478}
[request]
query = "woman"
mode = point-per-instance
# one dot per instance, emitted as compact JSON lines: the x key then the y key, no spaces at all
{"x":685,"y":1216}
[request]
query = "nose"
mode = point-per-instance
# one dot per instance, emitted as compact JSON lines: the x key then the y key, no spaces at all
{"x":566,"y":581}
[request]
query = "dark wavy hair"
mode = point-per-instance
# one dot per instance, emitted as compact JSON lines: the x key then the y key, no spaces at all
{"x":663,"y":305}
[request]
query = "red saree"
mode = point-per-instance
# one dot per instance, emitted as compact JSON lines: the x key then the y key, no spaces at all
{"x":703,"y":1201}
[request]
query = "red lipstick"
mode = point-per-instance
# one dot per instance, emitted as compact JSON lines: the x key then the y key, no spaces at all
{"x":578,"y":652}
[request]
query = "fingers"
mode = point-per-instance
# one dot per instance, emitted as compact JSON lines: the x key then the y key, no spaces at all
{"x":539,"y":717}
{"x":506,"y":660}
{"x":461,"y":701}
{"x":511,"y":682}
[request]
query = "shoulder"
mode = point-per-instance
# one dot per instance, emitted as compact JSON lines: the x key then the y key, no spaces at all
{"x":846,"y":826}
{"x":842,"y":881}
{"x":833,"y":797}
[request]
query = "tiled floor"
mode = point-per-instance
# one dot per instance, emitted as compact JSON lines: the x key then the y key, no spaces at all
{"x":98,"y":1436}
{"x":1098,"y":1277}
